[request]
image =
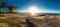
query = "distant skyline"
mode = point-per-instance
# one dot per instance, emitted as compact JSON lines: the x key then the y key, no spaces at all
{"x":45,"y":6}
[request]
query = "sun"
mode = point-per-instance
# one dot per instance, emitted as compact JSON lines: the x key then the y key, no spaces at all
{"x":33,"y":10}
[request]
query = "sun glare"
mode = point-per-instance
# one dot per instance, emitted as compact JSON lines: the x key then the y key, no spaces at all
{"x":33,"y":10}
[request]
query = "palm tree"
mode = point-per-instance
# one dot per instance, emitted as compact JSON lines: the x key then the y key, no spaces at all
{"x":3,"y":4}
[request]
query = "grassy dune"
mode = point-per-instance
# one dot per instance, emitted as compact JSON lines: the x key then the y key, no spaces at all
{"x":11,"y":23}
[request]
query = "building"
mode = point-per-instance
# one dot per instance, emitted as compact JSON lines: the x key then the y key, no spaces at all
{"x":12,"y":9}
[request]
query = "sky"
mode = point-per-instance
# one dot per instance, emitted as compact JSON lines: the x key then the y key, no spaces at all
{"x":44,"y":6}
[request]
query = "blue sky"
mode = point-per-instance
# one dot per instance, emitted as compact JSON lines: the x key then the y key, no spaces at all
{"x":47,"y":6}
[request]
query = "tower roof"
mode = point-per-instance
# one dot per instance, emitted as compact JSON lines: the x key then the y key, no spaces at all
{"x":12,"y":6}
